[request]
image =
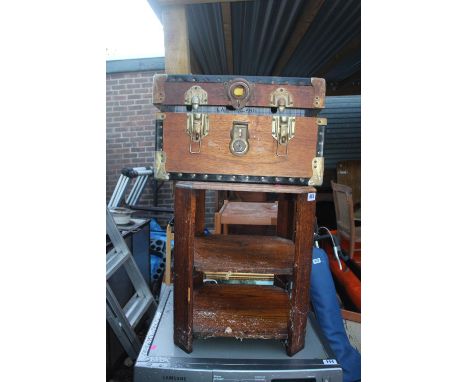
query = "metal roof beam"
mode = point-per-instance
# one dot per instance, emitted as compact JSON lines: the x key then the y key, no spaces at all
{"x":311,"y":10}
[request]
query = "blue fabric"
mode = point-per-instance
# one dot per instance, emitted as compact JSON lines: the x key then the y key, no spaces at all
{"x":327,"y":311}
{"x":154,"y":226}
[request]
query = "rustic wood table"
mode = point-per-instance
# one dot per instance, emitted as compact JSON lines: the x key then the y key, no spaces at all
{"x":242,"y":311}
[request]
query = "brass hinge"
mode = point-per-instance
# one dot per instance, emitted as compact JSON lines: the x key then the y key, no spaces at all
{"x":283,"y":130}
{"x":195,"y":96}
{"x":281,"y":99}
{"x":318,"y":165}
{"x":160,"y":166}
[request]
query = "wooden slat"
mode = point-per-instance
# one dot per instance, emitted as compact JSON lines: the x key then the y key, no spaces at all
{"x":275,"y":188}
{"x":249,"y":213}
{"x":227,"y":28}
{"x":244,"y":253}
{"x":304,"y":223}
{"x":311,"y":9}
{"x":176,"y":43}
{"x":241,"y":311}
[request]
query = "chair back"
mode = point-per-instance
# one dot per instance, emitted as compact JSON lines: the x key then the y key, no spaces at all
{"x":343,"y":200}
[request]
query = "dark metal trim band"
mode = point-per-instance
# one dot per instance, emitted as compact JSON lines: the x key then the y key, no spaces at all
{"x":238,"y":178}
{"x":320,"y":140}
{"x":247,"y":110}
{"x":253,"y":79}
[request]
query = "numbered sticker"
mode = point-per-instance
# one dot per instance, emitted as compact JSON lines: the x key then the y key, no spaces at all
{"x":330,"y":362}
{"x":311,"y":196}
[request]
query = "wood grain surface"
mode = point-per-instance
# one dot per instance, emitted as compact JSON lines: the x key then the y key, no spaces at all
{"x":184,"y":229}
{"x":241,"y":311}
{"x":304,"y":97}
{"x":274,"y":188}
{"x":285,"y":219}
{"x":261,"y":159}
{"x":304,"y":223}
{"x":244,"y":253}
{"x":249,"y":213}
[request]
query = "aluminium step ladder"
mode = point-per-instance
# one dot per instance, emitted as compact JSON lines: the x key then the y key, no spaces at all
{"x":124,"y":320}
{"x":141,"y":174}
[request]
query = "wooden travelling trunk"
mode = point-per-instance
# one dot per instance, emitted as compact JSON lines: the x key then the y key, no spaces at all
{"x":249,"y":129}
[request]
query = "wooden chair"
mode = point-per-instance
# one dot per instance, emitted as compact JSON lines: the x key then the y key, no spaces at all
{"x":246,"y":213}
{"x":345,"y":222}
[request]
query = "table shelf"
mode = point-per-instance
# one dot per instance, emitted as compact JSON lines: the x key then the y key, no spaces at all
{"x":244,"y":253}
{"x":241,"y":311}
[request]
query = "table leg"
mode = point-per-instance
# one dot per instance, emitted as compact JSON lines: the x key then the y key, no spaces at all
{"x":185,"y":228}
{"x":285,"y":219}
{"x":299,"y":301}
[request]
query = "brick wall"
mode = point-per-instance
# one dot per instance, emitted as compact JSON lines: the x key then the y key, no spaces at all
{"x":130,"y":136}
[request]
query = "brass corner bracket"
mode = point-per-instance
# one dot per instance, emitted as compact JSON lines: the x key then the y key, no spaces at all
{"x":160,"y":166}
{"x":318,"y":165}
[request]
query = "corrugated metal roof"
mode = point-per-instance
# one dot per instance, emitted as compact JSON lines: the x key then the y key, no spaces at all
{"x":262,"y":28}
{"x":336,"y":24}
{"x":343,"y":132}
{"x":206,"y":34}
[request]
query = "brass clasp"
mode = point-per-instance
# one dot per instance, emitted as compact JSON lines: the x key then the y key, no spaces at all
{"x":197,"y":123}
{"x":197,"y":127}
{"x":283,"y":130}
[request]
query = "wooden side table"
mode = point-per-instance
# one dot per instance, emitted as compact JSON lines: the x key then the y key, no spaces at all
{"x":242,"y":311}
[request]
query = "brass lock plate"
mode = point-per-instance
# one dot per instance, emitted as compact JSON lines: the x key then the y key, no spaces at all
{"x":239,"y":144}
